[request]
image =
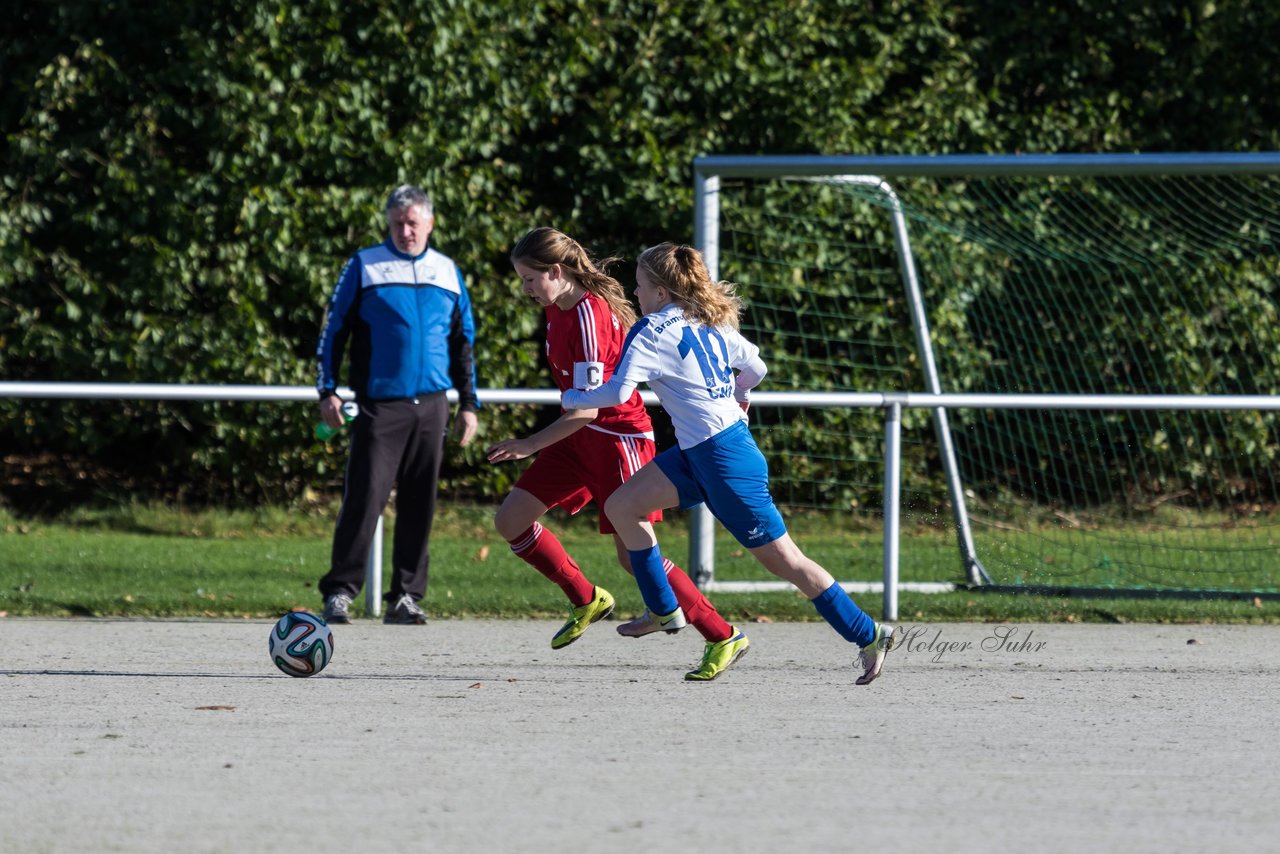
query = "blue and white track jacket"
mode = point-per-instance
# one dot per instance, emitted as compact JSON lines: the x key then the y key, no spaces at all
{"x":407,"y":324}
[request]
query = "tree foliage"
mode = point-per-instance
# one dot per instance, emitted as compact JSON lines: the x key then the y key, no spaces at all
{"x":180,"y":184}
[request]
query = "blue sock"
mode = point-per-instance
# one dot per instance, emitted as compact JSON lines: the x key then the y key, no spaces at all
{"x":853,"y":623}
{"x":651,"y":578}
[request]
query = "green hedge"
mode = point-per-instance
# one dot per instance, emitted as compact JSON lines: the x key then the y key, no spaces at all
{"x":180,"y":184}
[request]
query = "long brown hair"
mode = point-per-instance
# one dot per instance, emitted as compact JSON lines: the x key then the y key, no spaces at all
{"x":681,"y":270}
{"x":545,"y":246}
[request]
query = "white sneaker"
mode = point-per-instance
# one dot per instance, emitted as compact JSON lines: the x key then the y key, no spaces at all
{"x":871,"y":658}
{"x":642,"y":625}
{"x":405,"y":612}
{"x":649,"y":622}
{"x":337,"y":609}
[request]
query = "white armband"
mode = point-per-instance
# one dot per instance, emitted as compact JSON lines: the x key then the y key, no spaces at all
{"x":588,"y":375}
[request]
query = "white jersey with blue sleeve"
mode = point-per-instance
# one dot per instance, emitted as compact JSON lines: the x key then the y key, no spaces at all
{"x":689,"y":366}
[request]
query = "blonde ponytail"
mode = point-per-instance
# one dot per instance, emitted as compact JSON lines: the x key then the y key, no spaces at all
{"x":681,"y":270}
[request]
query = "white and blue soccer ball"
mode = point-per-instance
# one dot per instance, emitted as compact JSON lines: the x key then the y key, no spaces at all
{"x":301,"y":644}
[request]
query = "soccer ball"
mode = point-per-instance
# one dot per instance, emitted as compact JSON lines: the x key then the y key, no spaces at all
{"x":301,"y":643}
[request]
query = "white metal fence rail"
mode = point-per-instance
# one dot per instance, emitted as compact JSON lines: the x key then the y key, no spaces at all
{"x":892,"y":403}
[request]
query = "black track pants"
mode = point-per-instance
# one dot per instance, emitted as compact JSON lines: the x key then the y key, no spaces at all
{"x":397,"y":442}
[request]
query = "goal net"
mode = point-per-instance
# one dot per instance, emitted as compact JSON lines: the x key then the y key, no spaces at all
{"x":1081,"y":276}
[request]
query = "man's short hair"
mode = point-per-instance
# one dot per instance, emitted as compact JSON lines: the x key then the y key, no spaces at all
{"x":408,"y":196}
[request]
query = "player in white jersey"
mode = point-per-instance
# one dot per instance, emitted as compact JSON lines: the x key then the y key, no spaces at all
{"x":585,"y":455}
{"x":687,"y":348}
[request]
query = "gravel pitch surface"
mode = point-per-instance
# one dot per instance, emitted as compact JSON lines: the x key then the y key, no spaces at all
{"x":474,"y":736}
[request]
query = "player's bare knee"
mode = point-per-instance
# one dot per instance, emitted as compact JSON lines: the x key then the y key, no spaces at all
{"x":615,"y":509}
{"x":507,"y":524}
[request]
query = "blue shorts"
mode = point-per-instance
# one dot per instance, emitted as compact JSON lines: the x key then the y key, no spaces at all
{"x":730,"y":474}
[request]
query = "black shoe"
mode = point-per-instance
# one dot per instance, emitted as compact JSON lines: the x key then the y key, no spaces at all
{"x":405,"y":612}
{"x":337,"y":609}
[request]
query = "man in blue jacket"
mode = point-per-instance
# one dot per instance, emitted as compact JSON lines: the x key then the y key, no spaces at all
{"x":402,"y":313}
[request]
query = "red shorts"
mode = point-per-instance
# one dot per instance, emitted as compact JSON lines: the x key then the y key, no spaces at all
{"x":586,"y":465}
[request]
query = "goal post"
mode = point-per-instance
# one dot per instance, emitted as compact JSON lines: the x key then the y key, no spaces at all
{"x":706,"y":238}
{"x":1068,"y":275}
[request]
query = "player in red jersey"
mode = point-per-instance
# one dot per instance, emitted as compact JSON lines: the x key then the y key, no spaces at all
{"x":588,"y":453}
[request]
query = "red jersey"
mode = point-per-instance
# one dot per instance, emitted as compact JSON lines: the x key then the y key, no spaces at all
{"x":583,"y":347}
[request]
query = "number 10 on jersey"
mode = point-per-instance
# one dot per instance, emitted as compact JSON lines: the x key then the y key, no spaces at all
{"x":712,"y":353}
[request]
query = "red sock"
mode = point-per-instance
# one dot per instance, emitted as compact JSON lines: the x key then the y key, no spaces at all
{"x":539,"y":548}
{"x":700,"y":613}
